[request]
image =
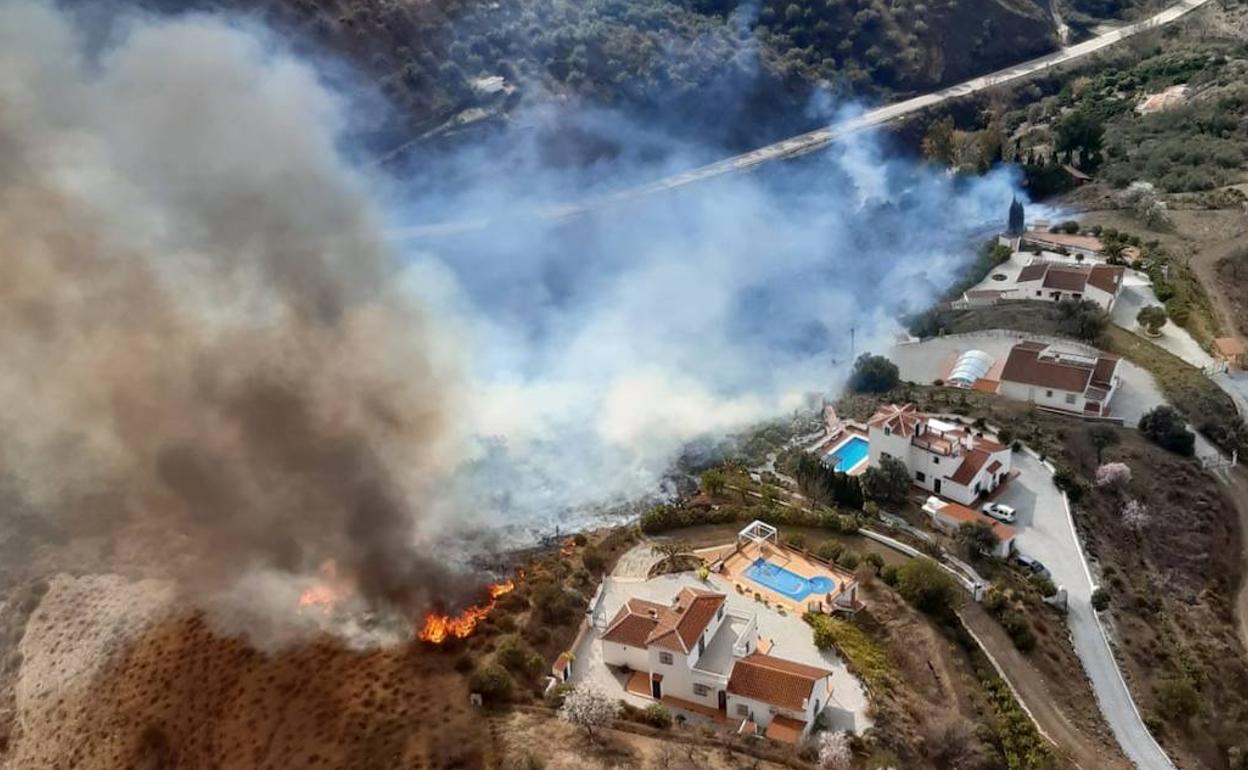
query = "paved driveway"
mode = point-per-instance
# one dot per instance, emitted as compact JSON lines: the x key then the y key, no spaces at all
{"x":925,"y":362}
{"x":1047,"y":533}
{"x":847,"y":709}
{"x":1137,"y":292}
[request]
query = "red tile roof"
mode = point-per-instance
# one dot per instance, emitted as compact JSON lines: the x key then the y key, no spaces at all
{"x":900,"y":420}
{"x":972,"y":461}
{"x":682,"y":623}
{"x":1033,"y":272}
{"x":1066,"y":278}
{"x":1107,"y":278}
{"x":640,"y":623}
{"x":776,"y":681}
{"x":634,"y":623}
{"x":964,"y":515}
{"x":1025,"y":365}
{"x":785,"y":730}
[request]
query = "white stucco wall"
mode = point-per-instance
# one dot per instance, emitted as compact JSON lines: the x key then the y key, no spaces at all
{"x":1036,"y":394}
{"x":616,"y":654}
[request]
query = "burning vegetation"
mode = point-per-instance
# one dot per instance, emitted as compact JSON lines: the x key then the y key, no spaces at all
{"x":439,"y":627}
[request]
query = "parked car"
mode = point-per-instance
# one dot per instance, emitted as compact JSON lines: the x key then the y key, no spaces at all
{"x":1032,"y":565}
{"x":1000,"y":512}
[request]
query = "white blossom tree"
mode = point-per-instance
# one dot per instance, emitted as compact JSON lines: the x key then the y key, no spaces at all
{"x":833,"y":750}
{"x":589,"y":707}
{"x":1113,"y":475}
{"x":1135,"y":515}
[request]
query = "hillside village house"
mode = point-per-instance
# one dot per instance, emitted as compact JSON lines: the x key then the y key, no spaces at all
{"x":1072,"y":382}
{"x":695,"y":650}
{"x":948,"y":517}
{"x":1054,"y":282}
{"x":942,"y":458}
{"x":1038,"y":237}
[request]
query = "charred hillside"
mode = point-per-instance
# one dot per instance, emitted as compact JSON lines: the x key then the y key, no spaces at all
{"x":450,"y":64}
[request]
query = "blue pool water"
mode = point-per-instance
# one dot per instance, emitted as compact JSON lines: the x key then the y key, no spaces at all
{"x":849,"y":454}
{"x":790,"y":584}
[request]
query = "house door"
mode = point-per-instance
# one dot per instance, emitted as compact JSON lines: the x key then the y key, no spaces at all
{"x":656,"y":689}
{"x":723,"y":700}
{"x":936,"y":487}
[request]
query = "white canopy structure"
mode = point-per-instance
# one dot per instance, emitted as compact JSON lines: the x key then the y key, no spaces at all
{"x":758,"y":533}
{"x":970,"y":366}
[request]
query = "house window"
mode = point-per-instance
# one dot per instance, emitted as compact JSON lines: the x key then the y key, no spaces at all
{"x":1070,"y":398}
{"x":1038,"y":293}
{"x":720,"y":613}
{"x":743,"y":710}
{"x":935,"y":461}
{"x":887,"y":432}
{"x":1048,"y":394}
{"x":920,"y":476}
{"x":665,"y":658}
{"x":702,"y":644}
{"x":701,"y":689}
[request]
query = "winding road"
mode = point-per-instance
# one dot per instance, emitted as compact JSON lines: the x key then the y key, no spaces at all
{"x":819,"y":138}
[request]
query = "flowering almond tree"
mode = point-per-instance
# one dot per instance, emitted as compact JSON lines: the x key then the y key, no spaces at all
{"x":589,"y":707}
{"x":834,"y":751}
{"x":1113,"y":475}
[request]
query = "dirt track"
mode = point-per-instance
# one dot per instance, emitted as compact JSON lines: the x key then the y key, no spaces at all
{"x":1084,"y":737}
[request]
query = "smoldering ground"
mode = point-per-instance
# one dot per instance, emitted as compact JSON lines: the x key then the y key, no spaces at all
{"x":217,"y":368}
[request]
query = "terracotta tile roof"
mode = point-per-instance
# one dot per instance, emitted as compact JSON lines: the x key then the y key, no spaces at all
{"x":1024,"y":365}
{"x":681,"y":624}
{"x":972,"y":461}
{"x":962,"y":515}
{"x":776,"y":681}
{"x":1066,"y":278}
{"x":988,"y":445}
{"x":900,"y":420}
{"x":1033,"y":272}
{"x":986,"y":386}
{"x":1103,"y":374}
{"x":1107,"y":278}
{"x":785,"y":730}
{"x":634,"y":623}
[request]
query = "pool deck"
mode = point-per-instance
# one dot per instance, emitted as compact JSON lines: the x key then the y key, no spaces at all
{"x":736,"y":564}
{"x":850,"y":433}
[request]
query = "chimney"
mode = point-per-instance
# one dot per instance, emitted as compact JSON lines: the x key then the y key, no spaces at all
{"x":653,"y":613}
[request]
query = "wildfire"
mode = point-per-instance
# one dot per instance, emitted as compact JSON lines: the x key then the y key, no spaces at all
{"x":327,"y":592}
{"x":438,"y":627}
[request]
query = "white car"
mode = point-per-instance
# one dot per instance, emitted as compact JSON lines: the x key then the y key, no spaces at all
{"x":1000,"y":512}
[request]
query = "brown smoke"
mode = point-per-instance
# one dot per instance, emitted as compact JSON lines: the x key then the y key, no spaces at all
{"x":207,"y":368}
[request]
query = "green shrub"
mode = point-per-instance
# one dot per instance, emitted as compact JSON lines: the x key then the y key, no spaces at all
{"x":580,"y":540}
{"x":829,"y":550}
{"x":925,"y":585}
{"x":493,"y":682}
{"x":1016,"y":625}
{"x":593,"y":560}
{"x":1100,"y":599}
{"x":1044,"y":585}
{"x":795,"y":540}
{"x":864,"y":655}
{"x":874,"y":561}
{"x":889,"y":575}
{"x":848,"y":559}
{"x":1178,"y":699}
{"x":657,"y":715}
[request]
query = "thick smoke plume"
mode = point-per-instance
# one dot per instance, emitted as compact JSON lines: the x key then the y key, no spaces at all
{"x":606,"y":342}
{"x":206,"y":365}
{"x":213,"y":366}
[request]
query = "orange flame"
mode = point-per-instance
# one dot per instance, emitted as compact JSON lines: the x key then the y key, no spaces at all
{"x":328,"y":592}
{"x":438,"y":627}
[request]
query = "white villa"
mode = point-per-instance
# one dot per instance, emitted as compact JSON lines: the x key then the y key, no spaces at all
{"x":1054,"y":282}
{"x":1072,"y":382}
{"x":695,"y":653}
{"x":942,"y":458}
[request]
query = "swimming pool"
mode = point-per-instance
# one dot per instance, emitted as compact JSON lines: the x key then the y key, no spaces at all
{"x":790,"y":584}
{"x":848,"y":454}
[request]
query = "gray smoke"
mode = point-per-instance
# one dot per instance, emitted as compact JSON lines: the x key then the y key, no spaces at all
{"x":216,"y":371}
{"x":207,"y":367}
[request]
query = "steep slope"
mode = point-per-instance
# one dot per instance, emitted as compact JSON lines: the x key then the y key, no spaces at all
{"x":733,"y":73}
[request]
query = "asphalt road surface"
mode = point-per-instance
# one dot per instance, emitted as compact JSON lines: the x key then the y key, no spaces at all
{"x":1046,"y":532}
{"x":822,"y":137}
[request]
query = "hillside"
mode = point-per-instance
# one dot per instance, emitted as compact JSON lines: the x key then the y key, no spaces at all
{"x":709,"y":68}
